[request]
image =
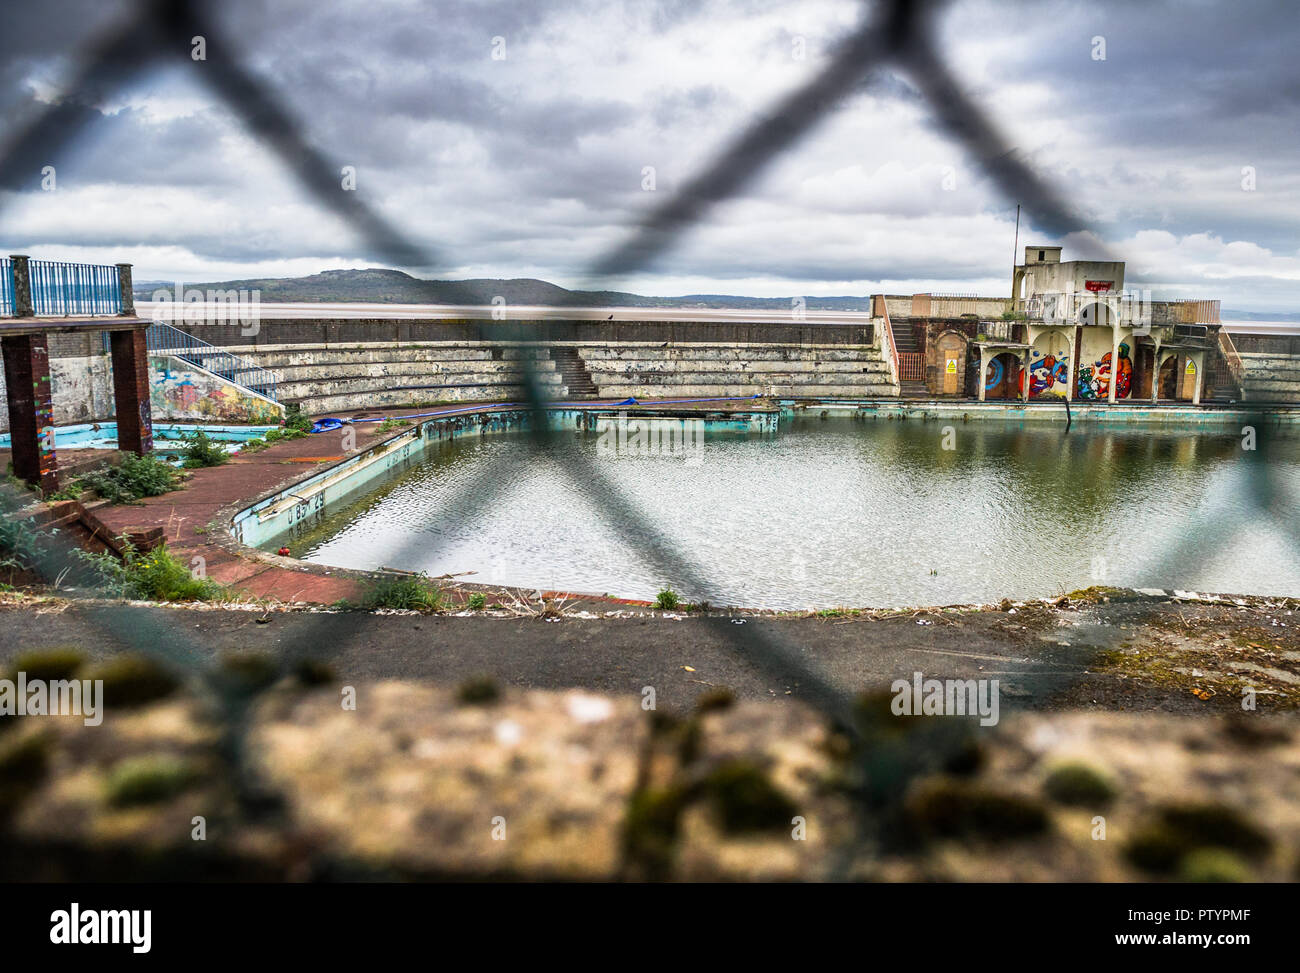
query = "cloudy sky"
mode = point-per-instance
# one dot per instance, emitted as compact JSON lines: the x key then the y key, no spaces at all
{"x":533,"y":162}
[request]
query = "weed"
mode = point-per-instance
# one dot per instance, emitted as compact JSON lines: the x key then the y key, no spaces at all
{"x":295,"y":420}
{"x":131,"y":480}
{"x":415,"y":593}
{"x":667,"y":599}
{"x":156,"y":575}
{"x":477,"y":601}
{"x":201,"y":451}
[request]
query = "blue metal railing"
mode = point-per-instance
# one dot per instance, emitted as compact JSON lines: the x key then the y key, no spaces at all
{"x":6,"y":287}
{"x":163,"y":339}
{"x":64,"y":288}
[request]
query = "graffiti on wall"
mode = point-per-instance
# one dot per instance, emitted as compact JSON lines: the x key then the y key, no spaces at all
{"x":177,"y":392}
{"x":1094,"y":379}
{"x":1003,"y":376}
{"x":1049,"y":366}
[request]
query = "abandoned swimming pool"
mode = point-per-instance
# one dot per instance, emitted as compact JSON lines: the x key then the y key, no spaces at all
{"x":824,"y":513}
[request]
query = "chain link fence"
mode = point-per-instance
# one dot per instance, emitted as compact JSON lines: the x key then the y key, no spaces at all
{"x":895,"y":34}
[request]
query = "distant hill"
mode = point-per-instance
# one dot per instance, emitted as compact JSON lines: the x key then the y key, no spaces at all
{"x":377,"y":286}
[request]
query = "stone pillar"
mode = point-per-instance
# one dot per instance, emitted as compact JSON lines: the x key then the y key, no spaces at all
{"x":22,"y":286}
{"x":131,"y":391}
{"x":1155,"y":378}
{"x":1114,"y":361}
{"x":1024,"y":373}
{"x":128,"y":295}
{"x":1199,"y":359}
{"x":31,"y":410}
{"x":983,"y":371}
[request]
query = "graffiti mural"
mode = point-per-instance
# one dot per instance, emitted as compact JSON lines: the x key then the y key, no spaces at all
{"x":1003,"y":377}
{"x":1049,"y":366}
{"x":177,"y":392}
{"x":1094,"y":379}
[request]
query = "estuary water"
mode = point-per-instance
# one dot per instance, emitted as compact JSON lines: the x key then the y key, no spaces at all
{"x":832,"y":513}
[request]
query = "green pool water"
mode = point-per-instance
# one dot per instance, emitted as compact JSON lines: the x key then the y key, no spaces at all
{"x":841,"y":512}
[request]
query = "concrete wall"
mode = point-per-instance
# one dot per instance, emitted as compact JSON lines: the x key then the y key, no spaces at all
{"x":324,"y":378}
{"x":362,"y":331}
{"x":81,"y":377}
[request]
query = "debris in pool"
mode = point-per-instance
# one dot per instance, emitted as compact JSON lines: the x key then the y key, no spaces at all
{"x":737,"y":621}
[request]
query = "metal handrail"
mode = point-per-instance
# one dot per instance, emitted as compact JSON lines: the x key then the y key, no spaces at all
{"x":6,"y":287}
{"x":887,"y":338}
{"x":164,"y":339}
{"x":66,"y":288}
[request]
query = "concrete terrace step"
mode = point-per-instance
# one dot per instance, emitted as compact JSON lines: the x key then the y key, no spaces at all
{"x":336,"y":355}
{"x":604,"y":370}
{"x":595,"y":354}
{"x":297,"y":373}
{"x":292,"y":391}
{"x":611,"y":379}
{"x":782,"y":391}
{"x":317,"y":405}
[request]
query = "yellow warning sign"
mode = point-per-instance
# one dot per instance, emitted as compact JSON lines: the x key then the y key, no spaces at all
{"x":1191,"y":367}
{"x":952,"y":366}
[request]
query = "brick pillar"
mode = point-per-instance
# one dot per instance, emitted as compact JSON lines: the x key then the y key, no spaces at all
{"x":131,"y":391}
{"x":31,"y":410}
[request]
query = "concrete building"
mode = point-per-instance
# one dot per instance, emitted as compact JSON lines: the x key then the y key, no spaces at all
{"x":1071,"y":331}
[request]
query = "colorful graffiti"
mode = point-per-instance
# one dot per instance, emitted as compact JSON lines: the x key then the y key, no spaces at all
{"x":1094,"y":379}
{"x":1003,"y":369}
{"x":179,"y":393}
{"x":1046,"y":372}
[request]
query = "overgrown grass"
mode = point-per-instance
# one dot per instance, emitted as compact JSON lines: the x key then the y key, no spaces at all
{"x":156,"y":575}
{"x":667,"y":599}
{"x":135,"y":478}
{"x":388,"y":425}
{"x":295,"y":420}
{"x":477,"y":601}
{"x":416,"y":593}
{"x":201,"y":451}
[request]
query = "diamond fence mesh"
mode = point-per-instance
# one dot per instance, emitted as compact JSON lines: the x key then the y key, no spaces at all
{"x":895,"y":34}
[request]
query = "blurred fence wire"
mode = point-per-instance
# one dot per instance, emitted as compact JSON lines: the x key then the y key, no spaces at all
{"x":899,"y":35}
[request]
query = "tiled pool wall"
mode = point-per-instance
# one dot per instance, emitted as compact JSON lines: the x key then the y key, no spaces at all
{"x":103,"y":435}
{"x":291,"y":512}
{"x":1184,"y":417}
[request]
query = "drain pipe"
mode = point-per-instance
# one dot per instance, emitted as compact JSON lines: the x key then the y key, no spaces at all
{"x":1068,"y":417}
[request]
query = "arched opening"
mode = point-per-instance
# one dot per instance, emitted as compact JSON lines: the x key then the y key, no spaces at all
{"x":1095,"y":314}
{"x":1178,"y":379}
{"x":951,"y":346}
{"x":1049,"y":366}
{"x":1002,"y":377}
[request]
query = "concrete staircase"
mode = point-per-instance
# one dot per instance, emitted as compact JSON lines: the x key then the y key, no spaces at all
{"x":573,"y":373}
{"x":341,"y":378}
{"x":345,"y":378}
{"x":905,"y":344}
{"x":1269,"y":377}
{"x":697,"y":370}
